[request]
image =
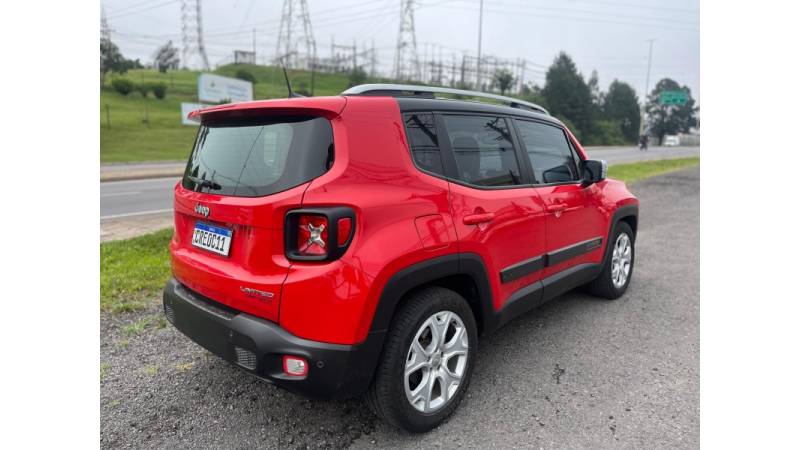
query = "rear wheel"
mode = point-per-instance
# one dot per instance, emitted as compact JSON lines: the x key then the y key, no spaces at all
{"x":617,"y":271}
{"x":427,"y":361}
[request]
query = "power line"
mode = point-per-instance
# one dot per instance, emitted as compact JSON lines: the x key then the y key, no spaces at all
{"x":144,"y":9}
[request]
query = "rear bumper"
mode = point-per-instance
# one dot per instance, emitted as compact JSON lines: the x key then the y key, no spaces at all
{"x":257,"y":346}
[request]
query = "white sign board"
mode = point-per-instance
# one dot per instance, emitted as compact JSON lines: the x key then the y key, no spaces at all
{"x":215,"y":89}
{"x":186,"y":108}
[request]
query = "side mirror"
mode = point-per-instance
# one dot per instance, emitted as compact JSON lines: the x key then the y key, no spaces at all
{"x":594,"y":171}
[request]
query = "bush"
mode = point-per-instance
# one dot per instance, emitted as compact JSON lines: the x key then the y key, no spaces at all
{"x":123,"y":86}
{"x":606,"y":132}
{"x":159,"y":90}
{"x":142,"y":88}
{"x":245,"y":75}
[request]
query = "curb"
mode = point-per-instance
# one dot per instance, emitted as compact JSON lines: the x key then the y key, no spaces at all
{"x":140,"y":175}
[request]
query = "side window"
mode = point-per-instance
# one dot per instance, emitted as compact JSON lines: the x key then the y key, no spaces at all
{"x":421,"y":131}
{"x":483,"y":150}
{"x":549,"y":151}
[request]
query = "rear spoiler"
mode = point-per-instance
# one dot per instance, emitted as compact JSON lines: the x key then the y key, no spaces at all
{"x":328,"y":107}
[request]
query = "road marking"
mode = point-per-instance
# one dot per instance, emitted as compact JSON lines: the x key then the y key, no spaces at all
{"x":117,"y":194}
{"x":132,"y":214}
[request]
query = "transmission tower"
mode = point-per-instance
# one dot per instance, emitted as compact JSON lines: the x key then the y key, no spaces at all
{"x":105,"y":30}
{"x":296,"y":45}
{"x":192,"y":23}
{"x":406,"y":59}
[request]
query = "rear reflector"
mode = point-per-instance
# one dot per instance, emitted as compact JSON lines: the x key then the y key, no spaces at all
{"x":345,"y":226}
{"x":295,"y":366}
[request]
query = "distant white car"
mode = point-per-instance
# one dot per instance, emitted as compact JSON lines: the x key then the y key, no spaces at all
{"x":671,"y":141}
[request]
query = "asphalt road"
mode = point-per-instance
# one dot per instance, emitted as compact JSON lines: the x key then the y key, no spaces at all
{"x":119,"y":199}
{"x":578,"y":372}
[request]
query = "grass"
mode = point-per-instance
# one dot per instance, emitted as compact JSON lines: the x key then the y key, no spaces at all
{"x":162,"y":137}
{"x":633,"y":172}
{"x":150,"y":370}
{"x":133,"y":270}
{"x":185,"y":367}
{"x":136,"y":327}
{"x":103,"y":369}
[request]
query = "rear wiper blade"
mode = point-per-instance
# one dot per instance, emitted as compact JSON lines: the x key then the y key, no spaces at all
{"x":205,"y":183}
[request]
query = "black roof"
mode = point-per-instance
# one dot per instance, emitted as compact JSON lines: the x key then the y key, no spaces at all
{"x":409,"y":104}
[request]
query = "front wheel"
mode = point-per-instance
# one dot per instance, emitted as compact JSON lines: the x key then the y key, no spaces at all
{"x":617,"y":271}
{"x":427,"y":361}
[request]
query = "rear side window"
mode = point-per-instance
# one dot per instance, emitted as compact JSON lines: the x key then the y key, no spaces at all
{"x":483,"y":150}
{"x":259,"y":158}
{"x":549,"y":151}
{"x":421,"y":132}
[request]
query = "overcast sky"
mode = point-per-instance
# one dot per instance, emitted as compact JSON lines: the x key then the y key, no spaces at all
{"x":607,"y":35}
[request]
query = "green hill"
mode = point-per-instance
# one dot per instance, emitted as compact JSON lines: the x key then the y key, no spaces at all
{"x":162,"y":137}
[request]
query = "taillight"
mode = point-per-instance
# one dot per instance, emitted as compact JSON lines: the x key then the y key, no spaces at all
{"x":320,"y":234}
{"x":312,"y":235}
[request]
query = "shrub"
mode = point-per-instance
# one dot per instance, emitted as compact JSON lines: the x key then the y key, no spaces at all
{"x":159,"y":90}
{"x":143,"y":88}
{"x":122,"y":85}
{"x":606,"y":132}
{"x":245,"y":75}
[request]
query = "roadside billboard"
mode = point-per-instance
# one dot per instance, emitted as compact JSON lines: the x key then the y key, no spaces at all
{"x":216,"y":89}
{"x":186,"y":108}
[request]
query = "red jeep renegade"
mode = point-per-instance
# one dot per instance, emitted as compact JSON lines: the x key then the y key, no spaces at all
{"x":360,"y":244}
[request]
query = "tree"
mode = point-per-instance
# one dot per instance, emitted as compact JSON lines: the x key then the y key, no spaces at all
{"x":670,"y":119}
{"x":503,"y":79}
{"x":567,"y":94}
{"x":357,"y":76}
{"x":621,"y":104}
{"x":111,"y":60}
{"x":166,"y":57}
{"x":245,"y":75}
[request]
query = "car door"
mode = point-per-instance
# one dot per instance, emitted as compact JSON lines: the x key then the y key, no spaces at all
{"x":574,"y":217}
{"x":494,"y":213}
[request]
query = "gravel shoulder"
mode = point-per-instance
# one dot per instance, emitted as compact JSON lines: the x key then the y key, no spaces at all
{"x":576,"y":373}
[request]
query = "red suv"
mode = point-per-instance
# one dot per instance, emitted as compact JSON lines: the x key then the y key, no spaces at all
{"x":360,"y":244}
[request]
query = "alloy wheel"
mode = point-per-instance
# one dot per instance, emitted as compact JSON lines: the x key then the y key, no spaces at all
{"x":621,"y":260}
{"x":436,"y":362}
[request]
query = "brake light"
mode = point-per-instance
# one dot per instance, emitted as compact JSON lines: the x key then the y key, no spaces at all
{"x":319,"y":234}
{"x":312,"y":235}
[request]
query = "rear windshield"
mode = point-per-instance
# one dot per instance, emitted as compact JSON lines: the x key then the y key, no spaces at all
{"x":259,"y":157}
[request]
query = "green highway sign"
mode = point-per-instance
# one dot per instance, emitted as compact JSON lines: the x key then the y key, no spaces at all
{"x":672,"y":97}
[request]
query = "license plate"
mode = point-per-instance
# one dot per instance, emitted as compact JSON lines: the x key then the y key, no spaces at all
{"x":211,"y":238}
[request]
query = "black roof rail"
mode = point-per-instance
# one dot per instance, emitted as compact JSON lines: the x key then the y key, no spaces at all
{"x":411,"y":90}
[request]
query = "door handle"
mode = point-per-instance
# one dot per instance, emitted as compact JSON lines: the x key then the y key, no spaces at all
{"x":556,"y":208}
{"x":474,"y":219}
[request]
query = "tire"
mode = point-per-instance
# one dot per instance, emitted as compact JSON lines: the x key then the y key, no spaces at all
{"x":429,"y":309}
{"x":608,"y":284}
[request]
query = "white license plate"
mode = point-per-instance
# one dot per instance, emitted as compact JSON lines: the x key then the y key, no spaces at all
{"x":211,"y":238}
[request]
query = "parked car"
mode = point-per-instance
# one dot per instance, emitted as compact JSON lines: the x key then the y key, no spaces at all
{"x":360,"y":244}
{"x":672,"y":141}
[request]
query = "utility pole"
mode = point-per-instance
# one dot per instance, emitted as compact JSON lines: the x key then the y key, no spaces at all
{"x":646,"y":86}
{"x":105,"y":30}
{"x":192,"y":30}
{"x":296,"y":36}
{"x":406,"y":58}
{"x":254,"y":46}
{"x":480,"y":42}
